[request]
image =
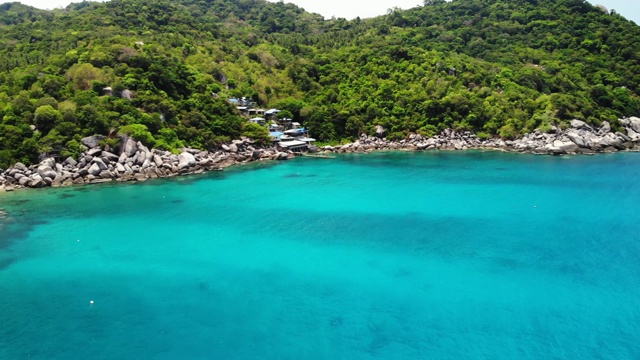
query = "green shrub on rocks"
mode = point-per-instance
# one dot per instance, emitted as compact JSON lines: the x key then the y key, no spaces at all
{"x":140,"y":133}
{"x":256,"y":132}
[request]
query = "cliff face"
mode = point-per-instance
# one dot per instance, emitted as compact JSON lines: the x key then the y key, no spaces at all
{"x":162,"y":71}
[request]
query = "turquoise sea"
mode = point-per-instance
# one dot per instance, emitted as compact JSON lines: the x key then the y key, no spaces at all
{"x":439,"y":255}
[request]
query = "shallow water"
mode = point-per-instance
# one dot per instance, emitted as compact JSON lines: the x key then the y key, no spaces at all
{"x":442,"y":255}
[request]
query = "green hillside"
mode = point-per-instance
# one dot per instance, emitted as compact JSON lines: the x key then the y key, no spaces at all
{"x":493,"y":67}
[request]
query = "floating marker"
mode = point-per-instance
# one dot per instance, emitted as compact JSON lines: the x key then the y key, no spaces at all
{"x":91,"y":302}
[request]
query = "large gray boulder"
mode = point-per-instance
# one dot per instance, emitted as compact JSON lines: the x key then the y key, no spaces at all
{"x":634,"y":123}
{"x":128,"y":170}
{"x":157,"y":160}
{"x":143,"y":149}
{"x":20,"y":166}
{"x":50,"y":162}
{"x":192,"y":151}
{"x":37,"y":181}
{"x":380,"y":131}
{"x":611,"y":140}
{"x":70,"y":162}
{"x":100,"y":163}
{"x":634,"y":136}
{"x":95,"y":170}
{"x":106,"y":174}
{"x":24,"y":181}
{"x":233,"y":148}
{"x":559,"y":146}
{"x":94,"y":152}
{"x":145,"y":164}
{"x":605,"y":128}
{"x":186,"y":160}
{"x":579,"y":124}
{"x":46,"y":172}
{"x":576,"y":138}
{"x":92,"y":141}
{"x":58,"y":180}
{"x":110,"y":156}
{"x":140,"y":158}
{"x":130,"y":147}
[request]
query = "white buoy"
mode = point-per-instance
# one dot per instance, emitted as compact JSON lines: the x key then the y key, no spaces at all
{"x":91,"y":302}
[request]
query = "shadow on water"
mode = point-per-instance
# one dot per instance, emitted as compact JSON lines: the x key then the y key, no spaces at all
{"x":203,"y":286}
{"x":17,"y":202}
{"x":80,"y":188}
{"x":451,"y":238}
{"x":336,"y":321}
{"x":5,"y":263}
{"x":16,"y":222}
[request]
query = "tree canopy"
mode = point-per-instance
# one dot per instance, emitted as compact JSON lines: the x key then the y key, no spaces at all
{"x":151,"y":69}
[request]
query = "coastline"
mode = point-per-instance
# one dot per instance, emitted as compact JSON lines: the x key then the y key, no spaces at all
{"x":578,"y":139}
{"x":136,"y":163}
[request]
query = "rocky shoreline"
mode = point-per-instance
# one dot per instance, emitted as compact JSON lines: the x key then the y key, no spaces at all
{"x":579,"y":138}
{"x":135,"y":162}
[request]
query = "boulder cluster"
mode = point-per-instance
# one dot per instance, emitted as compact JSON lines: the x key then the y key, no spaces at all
{"x":579,"y":138}
{"x":134,"y":162}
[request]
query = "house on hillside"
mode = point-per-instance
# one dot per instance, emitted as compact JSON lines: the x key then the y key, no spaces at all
{"x":286,"y":123}
{"x":271,"y":114}
{"x":258,"y":120}
{"x":256,"y":112}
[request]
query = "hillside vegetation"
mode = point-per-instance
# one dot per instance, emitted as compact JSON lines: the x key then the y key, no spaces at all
{"x":493,"y":67}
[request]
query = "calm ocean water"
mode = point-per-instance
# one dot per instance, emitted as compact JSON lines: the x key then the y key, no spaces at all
{"x":442,"y":255}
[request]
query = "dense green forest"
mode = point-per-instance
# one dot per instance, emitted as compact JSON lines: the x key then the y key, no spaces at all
{"x":498,"y":68}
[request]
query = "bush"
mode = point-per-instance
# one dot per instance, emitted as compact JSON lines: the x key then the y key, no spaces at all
{"x":168,"y":140}
{"x":428,"y":131}
{"x":46,"y":117}
{"x":545,"y":128}
{"x":110,"y":143}
{"x":139,"y":132}
{"x":72,"y":148}
{"x":255,"y":132}
{"x":508,"y":132}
